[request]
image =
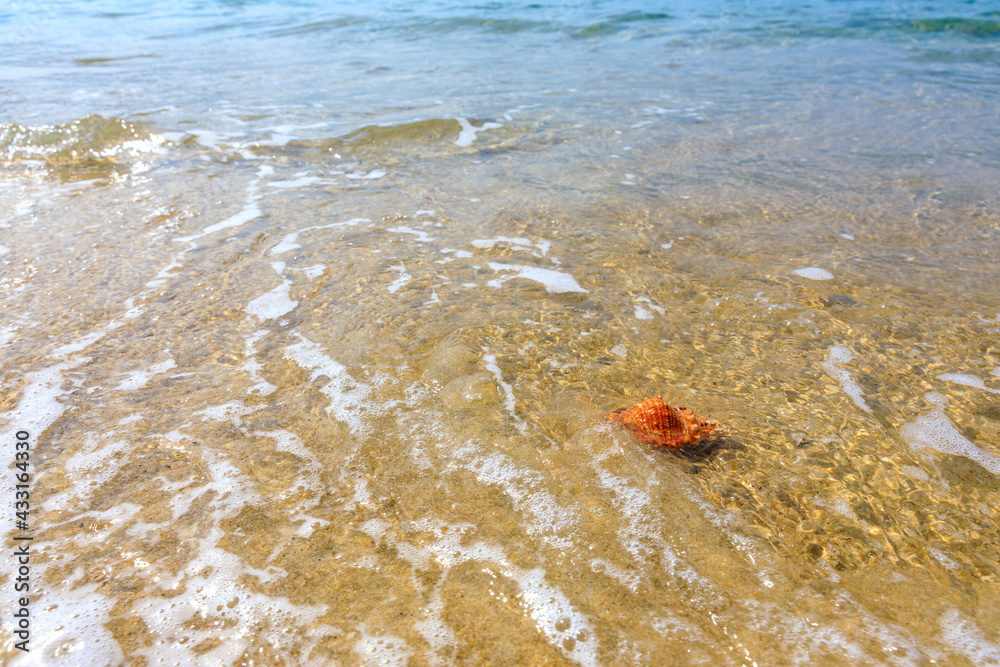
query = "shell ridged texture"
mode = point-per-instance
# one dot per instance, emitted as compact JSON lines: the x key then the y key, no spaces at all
{"x":655,"y":422}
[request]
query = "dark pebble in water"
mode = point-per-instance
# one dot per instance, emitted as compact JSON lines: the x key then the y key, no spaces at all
{"x":838,"y":300}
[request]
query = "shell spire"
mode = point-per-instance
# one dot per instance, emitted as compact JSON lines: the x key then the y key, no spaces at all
{"x":654,"y":421}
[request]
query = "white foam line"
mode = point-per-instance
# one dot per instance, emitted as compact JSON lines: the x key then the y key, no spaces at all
{"x":7,"y":334}
{"x":554,"y":281}
{"x":814,"y":273}
{"x":165,"y":273}
{"x":962,"y":635}
{"x":311,"y":272}
{"x":490,"y":361}
{"x":935,"y":431}
{"x":381,"y":649}
{"x":289,"y":442}
{"x":300,"y":182}
{"x":133,"y":310}
{"x":139,"y":379}
{"x":544,"y":603}
{"x":249,"y":212}
{"x":211,"y":581}
{"x":74,"y":628}
{"x":347,"y":396}
{"x":38,"y":409}
{"x":422,"y":237}
{"x":526,"y":489}
{"x":274,"y":304}
{"x":469,"y":131}
{"x":649,"y":302}
{"x":228,"y":412}
{"x":967,"y":380}
{"x":434,"y":630}
{"x":517,"y":242}
{"x":261,"y":386}
{"x":634,"y":504}
{"x":371,"y":175}
{"x":289,"y":241}
{"x":79,"y":344}
{"x":842,"y":355}
{"x":401,"y":281}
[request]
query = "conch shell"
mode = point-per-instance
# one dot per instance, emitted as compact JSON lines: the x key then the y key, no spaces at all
{"x":656,"y":422}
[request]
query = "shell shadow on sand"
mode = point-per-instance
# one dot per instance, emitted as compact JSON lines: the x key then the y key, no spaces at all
{"x":703,"y":451}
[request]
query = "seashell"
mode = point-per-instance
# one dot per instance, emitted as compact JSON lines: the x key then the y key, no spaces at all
{"x":656,"y":422}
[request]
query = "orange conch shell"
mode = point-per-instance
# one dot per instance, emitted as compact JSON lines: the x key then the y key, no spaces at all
{"x":656,"y":422}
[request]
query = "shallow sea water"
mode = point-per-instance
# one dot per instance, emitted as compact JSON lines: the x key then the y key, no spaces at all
{"x":314,"y":319}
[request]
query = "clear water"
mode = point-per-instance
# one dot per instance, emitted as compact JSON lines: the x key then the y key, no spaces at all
{"x":314,"y":315}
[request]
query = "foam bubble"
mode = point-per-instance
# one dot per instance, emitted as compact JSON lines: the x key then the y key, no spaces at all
{"x":967,"y":380}
{"x":422,"y":236}
{"x":935,"y":431}
{"x":517,"y":243}
{"x":7,"y":334}
{"x":298,"y":182}
{"x":469,"y":131}
{"x":36,"y":411}
{"x":230,"y":411}
{"x":401,"y":281}
{"x":346,"y":394}
{"x":565,"y":628}
{"x":373,"y":174}
{"x":212,"y":590}
{"x":813,"y":273}
{"x":842,"y":355}
{"x":554,"y":281}
{"x":311,"y":272}
{"x":554,"y":616}
{"x":287,"y":441}
{"x":289,"y":241}
{"x":632,"y":580}
{"x":139,"y":379}
{"x":547,"y":519}
{"x":79,"y":344}
{"x":93,"y":463}
{"x":274,"y":304}
{"x":249,"y":212}
{"x":72,"y":631}
{"x":490,"y":361}
{"x":963,"y":636}
{"x":211,"y":138}
{"x":648,"y":303}
{"x":382,"y":650}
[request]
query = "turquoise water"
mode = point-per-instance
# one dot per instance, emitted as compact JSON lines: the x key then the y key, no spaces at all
{"x":314,"y":315}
